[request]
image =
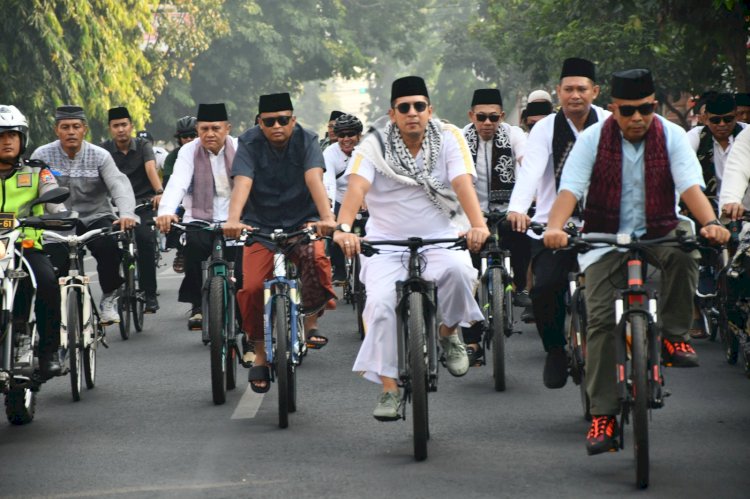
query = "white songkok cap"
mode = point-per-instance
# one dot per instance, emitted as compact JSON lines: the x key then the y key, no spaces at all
{"x":537,"y":95}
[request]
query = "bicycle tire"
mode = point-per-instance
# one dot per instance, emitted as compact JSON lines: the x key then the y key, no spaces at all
{"x":281,"y":357}
{"x":20,"y":405}
{"x":217,"y":336}
{"x":137,"y":298}
{"x":640,"y":391}
{"x":496,"y":293}
{"x":89,"y":355}
{"x":577,"y":342}
{"x":75,"y":352}
{"x":360,"y":298}
{"x":124,"y":309}
{"x":418,"y":374}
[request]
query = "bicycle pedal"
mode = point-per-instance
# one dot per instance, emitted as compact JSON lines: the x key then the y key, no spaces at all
{"x":104,"y":342}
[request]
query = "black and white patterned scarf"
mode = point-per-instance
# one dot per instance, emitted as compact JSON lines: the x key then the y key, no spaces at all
{"x":501,"y":172}
{"x":385,"y":148}
{"x":705,"y":155}
{"x":563,"y":139}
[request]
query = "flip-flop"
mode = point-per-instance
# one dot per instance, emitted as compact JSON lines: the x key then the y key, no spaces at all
{"x":315,"y":340}
{"x":259,"y":374}
{"x":696,"y":330}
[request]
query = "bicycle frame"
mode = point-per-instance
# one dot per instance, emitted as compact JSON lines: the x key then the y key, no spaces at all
{"x":218,"y":266}
{"x":283,"y":284}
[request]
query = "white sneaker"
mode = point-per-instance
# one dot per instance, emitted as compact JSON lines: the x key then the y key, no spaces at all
{"x":456,"y":358}
{"x":108,"y":309}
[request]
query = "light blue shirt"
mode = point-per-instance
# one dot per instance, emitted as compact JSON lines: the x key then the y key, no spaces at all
{"x":576,"y":175}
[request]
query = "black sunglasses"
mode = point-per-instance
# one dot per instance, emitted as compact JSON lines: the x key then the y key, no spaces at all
{"x":283,"y":121}
{"x":342,"y":135}
{"x":718,"y":119}
{"x":643,"y":109}
{"x":404,"y":107}
{"x":481,"y":117}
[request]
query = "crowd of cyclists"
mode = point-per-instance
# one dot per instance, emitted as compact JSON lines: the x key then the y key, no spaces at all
{"x":623,"y":169}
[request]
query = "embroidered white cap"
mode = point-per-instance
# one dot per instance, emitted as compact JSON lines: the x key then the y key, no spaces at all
{"x":538,"y":95}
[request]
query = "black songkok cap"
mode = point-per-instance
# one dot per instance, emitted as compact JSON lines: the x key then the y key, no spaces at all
{"x":742,"y":99}
{"x":335,"y":114}
{"x":632,"y":84}
{"x":540,"y":108}
{"x":575,"y":66}
{"x":69,"y":113}
{"x":118,"y":113}
{"x":273,"y":103}
{"x":720,"y":104}
{"x":487,"y":96}
{"x":408,"y":85}
{"x":212,"y":112}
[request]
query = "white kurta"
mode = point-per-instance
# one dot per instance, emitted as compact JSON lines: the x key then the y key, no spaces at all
{"x":537,"y":177}
{"x":720,"y":154}
{"x":399,"y":211}
{"x":176,"y":191}
{"x":336,"y":163}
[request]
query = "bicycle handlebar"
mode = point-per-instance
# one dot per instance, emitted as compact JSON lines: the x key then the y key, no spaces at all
{"x":277,"y":237}
{"x":585,"y":242}
{"x":413,"y":243}
{"x":84,"y":238}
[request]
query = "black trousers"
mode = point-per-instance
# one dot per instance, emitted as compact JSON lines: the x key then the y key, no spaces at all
{"x":197,"y":249}
{"x":104,"y":250}
{"x":146,"y":242}
{"x":550,"y":269}
{"x":47,"y":305}
{"x":338,"y":262}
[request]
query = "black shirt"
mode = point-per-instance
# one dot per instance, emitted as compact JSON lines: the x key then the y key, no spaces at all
{"x":133,"y":164}
{"x":280,"y":198}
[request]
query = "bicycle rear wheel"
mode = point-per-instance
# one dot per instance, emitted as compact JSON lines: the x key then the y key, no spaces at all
{"x":75,"y":352}
{"x":217,"y":336}
{"x":89,"y":354}
{"x":418,"y":374}
{"x":282,"y":357}
{"x":360,"y":297}
{"x":640,"y":395}
{"x":577,"y":342}
{"x":137,"y":298}
{"x":497,"y":326}
{"x":124,"y":308}
{"x":20,"y":405}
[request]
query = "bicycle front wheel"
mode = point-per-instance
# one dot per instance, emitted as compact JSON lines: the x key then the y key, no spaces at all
{"x":282,"y":357}
{"x":360,"y":297}
{"x":497,"y":326}
{"x":640,"y":397}
{"x":89,"y":354}
{"x":75,"y":351}
{"x":217,"y":336}
{"x":124,"y":308}
{"x":418,"y":374}
{"x":137,"y":298}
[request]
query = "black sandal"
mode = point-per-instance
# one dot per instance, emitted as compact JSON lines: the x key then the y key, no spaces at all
{"x":259,"y":374}
{"x":315,"y":344}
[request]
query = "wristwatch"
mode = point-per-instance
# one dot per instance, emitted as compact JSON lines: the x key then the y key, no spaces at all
{"x":344,"y":227}
{"x":159,"y":191}
{"x":715,"y":221}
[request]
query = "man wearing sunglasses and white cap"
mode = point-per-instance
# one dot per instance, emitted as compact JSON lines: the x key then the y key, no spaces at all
{"x":630,"y":168}
{"x":497,"y":149}
{"x":418,"y":176}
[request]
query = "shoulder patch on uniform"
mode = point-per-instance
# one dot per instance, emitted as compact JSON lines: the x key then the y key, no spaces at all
{"x":46,"y":177}
{"x":23,"y":180}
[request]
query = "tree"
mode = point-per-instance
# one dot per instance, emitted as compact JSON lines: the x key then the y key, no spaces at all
{"x":691,"y":45}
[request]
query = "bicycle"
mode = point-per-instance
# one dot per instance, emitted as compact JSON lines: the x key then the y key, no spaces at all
{"x":284,"y":331}
{"x":354,"y":289}
{"x":736,"y":337}
{"x":20,"y":379}
{"x":218,"y":328}
{"x":495,"y":296}
{"x":81,"y":330}
{"x":417,"y":335}
{"x":131,"y":300}
{"x":638,"y":342}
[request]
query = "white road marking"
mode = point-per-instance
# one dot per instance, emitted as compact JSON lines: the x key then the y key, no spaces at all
{"x":249,"y":404}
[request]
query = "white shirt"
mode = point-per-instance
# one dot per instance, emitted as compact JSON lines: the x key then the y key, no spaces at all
{"x":336,"y":163}
{"x":720,"y":154}
{"x":176,"y":191}
{"x":484,"y":160}
{"x":737,"y":171}
{"x":537,"y":176}
{"x":160,"y":154}
{"x":398,"y":211}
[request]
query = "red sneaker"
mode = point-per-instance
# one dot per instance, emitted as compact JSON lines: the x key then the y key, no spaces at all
{"x":602,"y":435}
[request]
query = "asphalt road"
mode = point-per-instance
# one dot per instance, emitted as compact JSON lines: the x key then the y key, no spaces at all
{"x":150,"y":429}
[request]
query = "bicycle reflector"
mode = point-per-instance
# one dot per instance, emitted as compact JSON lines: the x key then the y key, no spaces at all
{"x":27,"y":243}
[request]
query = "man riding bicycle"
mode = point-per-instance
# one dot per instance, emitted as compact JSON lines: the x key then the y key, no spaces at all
{"x":629,"y":167}
{"x":22,"y":182}
{"x":93,"y":179}
{"x":417,"y":176}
